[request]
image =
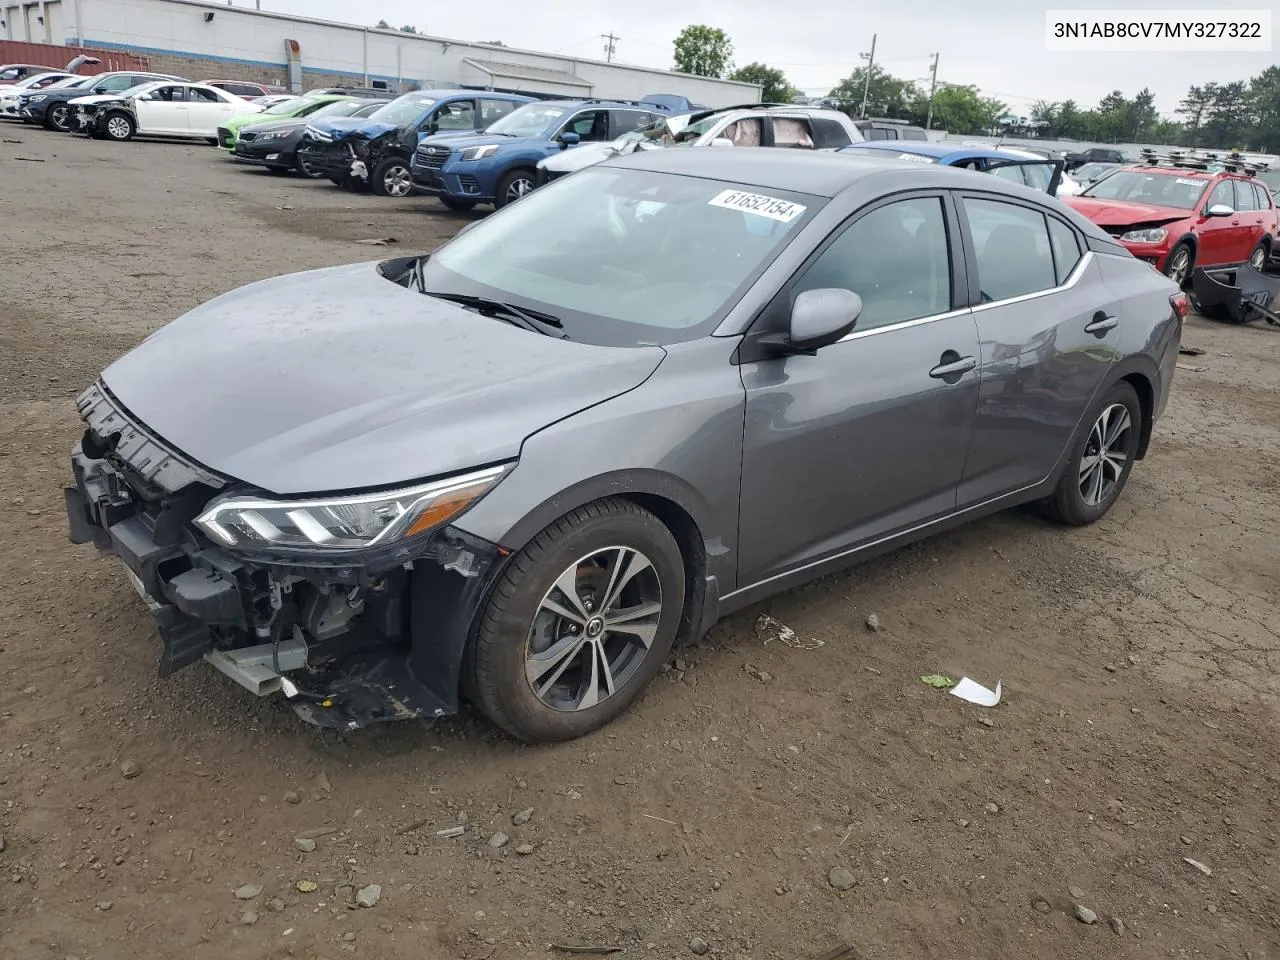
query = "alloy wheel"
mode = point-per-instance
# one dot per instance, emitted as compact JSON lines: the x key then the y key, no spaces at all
{"x":518,"y":188}
{"x":397,"y":182}
{"x":118,"y":128}
{"x":1258,"y":259}
{"x":58,"y":117}
{"x":1180,"y":265}
{"x":1105,"y":455}
{"x":593,"y":628}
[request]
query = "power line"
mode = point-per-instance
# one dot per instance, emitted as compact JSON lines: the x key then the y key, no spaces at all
{"x":609,"y":46}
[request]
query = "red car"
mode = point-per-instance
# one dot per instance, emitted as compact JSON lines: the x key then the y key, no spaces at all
{"x":1178,"y":218}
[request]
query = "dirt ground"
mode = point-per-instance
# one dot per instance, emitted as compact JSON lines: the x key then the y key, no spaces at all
{"x":1138,"y":729}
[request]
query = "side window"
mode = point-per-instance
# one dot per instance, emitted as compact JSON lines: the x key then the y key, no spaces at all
{"x":895,"y":258}
{"x":910,"y":134}
{"x":746,"y":132}
{"x":875,"y":133}
{"x":589,"y":125}
{"x":624,"y":121}
{"x":167,"y":94}
{"x":1244,"y":196}
{"x":197,"y":95}
{"x":1066,"y":249}
{"x":456,"y":115}
{"x":491,"y":110}
{"x":1011,"y":172}
{"x":1012,"y":245}
{"x":1264,"y":201}
{"x":116,"y":84}
{"x":792,"y":132}
{"x":1222,"y":193}
{"x":829,"y":133}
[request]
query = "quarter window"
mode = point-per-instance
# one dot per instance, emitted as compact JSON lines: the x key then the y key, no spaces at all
{"x":1245,"y":197}
{"x":829,"y":133}
{"x":895,"y":258}
{"x":1012,"y":246}
{"x":1066,"y":249}
{"x":1264,"y":201}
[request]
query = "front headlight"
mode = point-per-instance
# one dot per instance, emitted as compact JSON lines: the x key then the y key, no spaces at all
{"x":316,"y":134}
{"x":1156,"y":235}
{"x":479,"y":153}
{"x":274,"y":135}
{"x":344,"y":523}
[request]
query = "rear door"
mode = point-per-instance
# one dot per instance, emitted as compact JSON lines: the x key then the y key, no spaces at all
{"x":206,"y":110}
{"x":1049,"y":331}
{"x":1252,"y":219}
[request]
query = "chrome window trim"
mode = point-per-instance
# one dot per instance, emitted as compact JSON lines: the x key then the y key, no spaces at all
{"x":904,"y":324}
{"x":1067,"y":284}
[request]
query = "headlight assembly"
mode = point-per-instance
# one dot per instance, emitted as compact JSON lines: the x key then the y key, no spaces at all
{"x":38,"y":97}
{"x":1156,"y":235}
{"x":274,"y":135}
{"x":479,"y":153}
{"x":344,"y":523}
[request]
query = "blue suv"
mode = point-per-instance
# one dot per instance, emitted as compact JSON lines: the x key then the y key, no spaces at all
{"x":375,"y":151}
{"x":500,"y":165}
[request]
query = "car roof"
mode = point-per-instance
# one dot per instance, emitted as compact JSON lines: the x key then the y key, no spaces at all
{"x":939,"y":151}
{"x":1188,"y":173}
{"x":455,"y":92}
{"x":607,"y":104}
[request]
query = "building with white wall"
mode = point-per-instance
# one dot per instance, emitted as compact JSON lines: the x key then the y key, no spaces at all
{"x":201,"y":40}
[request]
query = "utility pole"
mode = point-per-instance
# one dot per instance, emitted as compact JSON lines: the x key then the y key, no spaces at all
{"x":609,"y":45}
{"x":933,"y":85}
{"x":866,"y":80}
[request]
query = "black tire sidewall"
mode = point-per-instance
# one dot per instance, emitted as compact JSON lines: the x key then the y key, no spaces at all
{"x":66,"y":113}
{"x":500,"y":200}
{"x":377,"y":180}
{"x":496,"y":674}
{"x":1191,"y":261}
{"x":1068,"y":502}
{"x":1265,"y":247}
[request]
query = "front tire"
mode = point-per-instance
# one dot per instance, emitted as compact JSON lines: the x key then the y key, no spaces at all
{"x":391,"y":178}
{"x":58,"y":118}
{"x":512,"y":187}
{"x":1261,"y":253}
{"x":1101,"y":459}
{"x":578,"y":623}
{"x":1182,"y":260}
{"x":119,"y":126}
{"x":303,"y":169}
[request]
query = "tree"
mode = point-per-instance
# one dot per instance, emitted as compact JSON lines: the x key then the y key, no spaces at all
{"x":1193,"y":107}
{"x":1230,"y":116}
{"x":382,"y":25}
{"x":887,"y":95}
{"x":706,"y":51}
{"x":956,"y":109}
{"x":775,"y":88}
{"x":1045,"y":115}
{"x":1111,"y":117}
{"x":408,"y":28}
{"x":1264,"y":97}
{"x":1142,"y":115}
{"x":1071,"y":121}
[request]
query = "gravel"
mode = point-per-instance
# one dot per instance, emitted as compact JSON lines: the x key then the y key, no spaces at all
{"x":498,"y":840}
{"x":248,"y":891}
{"x":1085,"y":915}
{"x":524,"y":849}
{"x":291,"y":796}
{"x":369,"y":896}
{"x":840,"y":878}
{"x":305,"y":844}
{"x":1117,"y":926}
{"x":523,"y":817}
{"x":873,"y":622}
{"x":699,"y":946}
{"x":130,"y":769}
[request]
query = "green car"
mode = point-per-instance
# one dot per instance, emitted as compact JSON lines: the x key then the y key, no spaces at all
{"x":294,"y":107}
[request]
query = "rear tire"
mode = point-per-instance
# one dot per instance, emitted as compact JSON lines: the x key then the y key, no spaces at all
{"x":590,"y":652}
{"x":1100,"y":460}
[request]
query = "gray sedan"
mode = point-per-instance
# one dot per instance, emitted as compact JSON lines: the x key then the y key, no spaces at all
{"x":637,"y":400}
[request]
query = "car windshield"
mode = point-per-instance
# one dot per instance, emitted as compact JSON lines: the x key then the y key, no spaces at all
{"x":70,"y":83}
{"x":694,"y":130}
{"x":1091,"y":171}
{"x":623,"y":257}
{"x":286,"y":107}
{"x":403,"y":110}
{"x":527,"y":121}
{"x":1157,"y":189}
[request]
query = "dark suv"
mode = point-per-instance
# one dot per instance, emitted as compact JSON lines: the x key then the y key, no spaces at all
{"x":51,"y":106}
{"x":879,"y":129}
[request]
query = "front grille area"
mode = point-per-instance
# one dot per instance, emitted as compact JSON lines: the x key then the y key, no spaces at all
{"x":433,"y":158}
{"x":248,"y":136}
{"x":226,"y":137}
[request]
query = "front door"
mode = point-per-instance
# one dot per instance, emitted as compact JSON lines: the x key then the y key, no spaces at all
{"x":163,"y":110}
{"x":1047,"y":342}
{"x":868,"y":436}
{"x":1219,"y":236}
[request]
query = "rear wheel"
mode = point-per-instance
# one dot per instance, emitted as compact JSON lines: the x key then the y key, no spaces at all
{"x":578,"y":623}
{"x":512,"y":187}
{"x":1100,"y":460}
{"x":391,"y":178}
{"x":58,"y":117}
{"x":119,"y":126}
{"x":1261,"y":253}
{"x":1181,"y":262}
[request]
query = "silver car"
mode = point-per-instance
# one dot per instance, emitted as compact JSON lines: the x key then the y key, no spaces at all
{"x":592,"y":424}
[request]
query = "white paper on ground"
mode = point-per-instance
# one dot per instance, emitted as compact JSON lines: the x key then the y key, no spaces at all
{"x":967,"y":689}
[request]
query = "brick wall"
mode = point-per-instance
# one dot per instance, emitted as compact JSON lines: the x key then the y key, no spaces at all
{"x":199,"y":68}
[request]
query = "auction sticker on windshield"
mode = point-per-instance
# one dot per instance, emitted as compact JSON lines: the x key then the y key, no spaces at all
{"x":783,"y":211}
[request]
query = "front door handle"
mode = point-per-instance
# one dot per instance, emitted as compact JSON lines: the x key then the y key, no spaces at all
{"x":1101,"y":323}
{"x":952,"y":366}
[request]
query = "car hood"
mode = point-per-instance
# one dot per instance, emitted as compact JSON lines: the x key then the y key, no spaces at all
{"x":339,"y":379}
{"x":1120,"y":213}
{"x":96,"y":98}
{"x":263,"y":126}
{"x":477,"y":140}
{"x":340,"y":128}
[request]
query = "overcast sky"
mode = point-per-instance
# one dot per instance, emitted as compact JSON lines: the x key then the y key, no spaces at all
{"x":996,"y":44}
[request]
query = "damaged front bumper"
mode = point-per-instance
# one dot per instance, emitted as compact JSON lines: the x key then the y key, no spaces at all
{"x":349,"y":643}
{"x":336,"y":160}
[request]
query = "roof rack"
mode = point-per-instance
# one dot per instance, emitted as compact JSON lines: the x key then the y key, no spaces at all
{"x":631,"y":103}
{"x":749,"y":106}
{"x":1208,"y":161}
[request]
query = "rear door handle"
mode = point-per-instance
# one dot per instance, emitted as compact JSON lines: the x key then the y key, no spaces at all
{"x":1101,"y":323}
{"x":952,"y":366}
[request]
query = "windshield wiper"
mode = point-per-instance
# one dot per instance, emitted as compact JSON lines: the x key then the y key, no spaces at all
{"x":509,"y":312}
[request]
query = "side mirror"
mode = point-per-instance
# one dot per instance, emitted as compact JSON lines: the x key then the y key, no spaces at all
{"x":818,"y":319}
{"x":569,"y":139}
{"x":1219,"y":210}
{"x":721,"y":142}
